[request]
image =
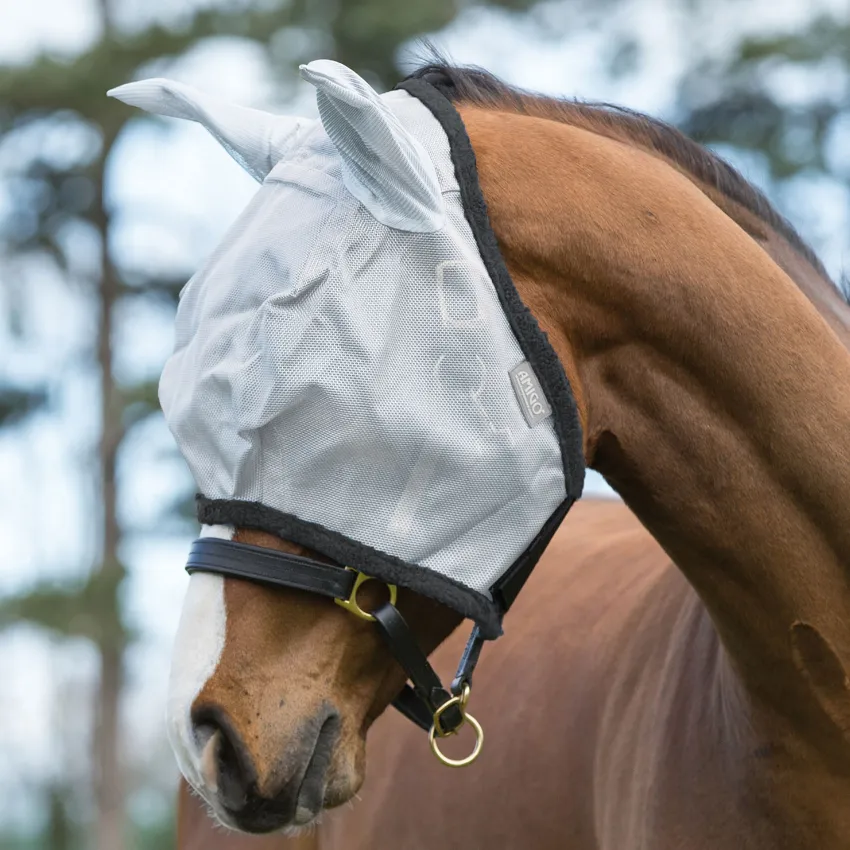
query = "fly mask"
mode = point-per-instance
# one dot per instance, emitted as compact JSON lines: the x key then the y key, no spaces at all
{"x":355,"y":372}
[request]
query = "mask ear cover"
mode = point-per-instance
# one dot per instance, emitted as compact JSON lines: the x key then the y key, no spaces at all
{"x":257,"y":140}
{"x":384,"y":166}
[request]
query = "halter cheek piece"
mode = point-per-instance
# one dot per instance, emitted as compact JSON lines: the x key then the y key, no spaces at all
{"x":425,"y":701}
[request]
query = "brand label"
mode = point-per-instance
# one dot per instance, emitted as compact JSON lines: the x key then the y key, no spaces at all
{"x":529,"y":394}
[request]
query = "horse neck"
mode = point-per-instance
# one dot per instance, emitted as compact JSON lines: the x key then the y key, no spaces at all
{"x":812,"y":282}
{"x":705,"y":380}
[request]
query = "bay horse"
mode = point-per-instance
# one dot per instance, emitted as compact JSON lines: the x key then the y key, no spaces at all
{"x":700,"y":707}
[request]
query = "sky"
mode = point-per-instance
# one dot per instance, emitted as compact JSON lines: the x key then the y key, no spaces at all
{"x":176,"y":192}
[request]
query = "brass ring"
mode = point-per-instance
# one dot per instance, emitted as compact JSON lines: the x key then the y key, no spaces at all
{"x":460,"y":700}
{"x":351,"y":605}
{"x":476,"y":750}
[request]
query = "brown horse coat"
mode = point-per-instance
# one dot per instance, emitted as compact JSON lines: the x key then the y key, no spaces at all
{"x":575,"y":621}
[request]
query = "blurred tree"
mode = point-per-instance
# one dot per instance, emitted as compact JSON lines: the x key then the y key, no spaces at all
{"x":58,"y":201}
{"x":784,"y":99}
{"x":59,"y":833}
{"x":16,"y":404}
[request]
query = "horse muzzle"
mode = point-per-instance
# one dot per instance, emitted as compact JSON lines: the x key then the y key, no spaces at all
{"x":254,"y":797}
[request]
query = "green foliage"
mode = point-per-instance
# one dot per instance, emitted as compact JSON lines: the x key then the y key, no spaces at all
{"x":50,"y":85}
{"x":825,"y":37}
{"x":159,"y":835}
{"x":60,"y":832}
{"x":16,"y":404}
{"x":60,"y":829}
{"x":87,"y":609}
{"x":138,"y":402}
{"x":18,"y":841}
{"x":741,"y":100}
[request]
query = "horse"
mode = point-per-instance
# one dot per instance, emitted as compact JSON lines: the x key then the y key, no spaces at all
{"x":706,"y":350}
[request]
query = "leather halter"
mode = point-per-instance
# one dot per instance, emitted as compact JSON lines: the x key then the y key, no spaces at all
{"x":425,"y":701}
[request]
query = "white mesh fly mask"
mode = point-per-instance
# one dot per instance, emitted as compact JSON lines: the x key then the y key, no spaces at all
{"x":353,"y":368}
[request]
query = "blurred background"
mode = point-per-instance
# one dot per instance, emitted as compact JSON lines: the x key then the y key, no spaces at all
{"x":105,"y":213}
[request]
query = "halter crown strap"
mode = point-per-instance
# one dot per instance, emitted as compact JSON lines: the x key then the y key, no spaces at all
{"x":419,"y":703}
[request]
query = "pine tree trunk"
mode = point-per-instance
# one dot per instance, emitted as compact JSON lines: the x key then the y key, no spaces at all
{"x":108,"y":763}
{"x":110,"y":834}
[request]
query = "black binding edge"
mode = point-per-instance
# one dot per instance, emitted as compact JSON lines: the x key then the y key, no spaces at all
{"x":351,"y":553}
{"x":530,"y":336}
{"x":486,"y":612}
{"x":506,"y":589}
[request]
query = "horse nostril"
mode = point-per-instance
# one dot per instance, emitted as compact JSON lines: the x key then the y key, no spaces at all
{"x":226,"y":769}
{"x":311,"y":794}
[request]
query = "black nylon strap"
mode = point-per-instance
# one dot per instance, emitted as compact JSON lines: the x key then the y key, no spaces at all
{"x":213,"y":555}
{"x":414,"y":709}
{"x":409,"y":704}
{"x":426,"y":683}
{"x":506,"y":589}
{"x":468,"y":661}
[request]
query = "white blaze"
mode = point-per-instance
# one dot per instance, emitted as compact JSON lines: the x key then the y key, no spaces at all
{"x":197,"y":650}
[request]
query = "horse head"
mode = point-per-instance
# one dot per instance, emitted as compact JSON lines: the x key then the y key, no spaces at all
{"x":348,"y":387}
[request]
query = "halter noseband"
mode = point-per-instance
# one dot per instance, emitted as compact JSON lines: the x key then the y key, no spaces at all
{"x":427,"y":703}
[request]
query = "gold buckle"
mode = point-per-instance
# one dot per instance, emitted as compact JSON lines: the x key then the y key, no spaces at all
{"x":437,"y":730}
{"x":351,"y":605}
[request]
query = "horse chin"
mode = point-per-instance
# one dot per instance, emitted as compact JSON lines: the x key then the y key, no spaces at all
{"x":260,"y":821}
{"x":288,"y":823}
{"x":282,"y":814}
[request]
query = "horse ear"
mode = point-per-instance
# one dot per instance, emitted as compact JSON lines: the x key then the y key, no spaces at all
{"x":384,"y":166}
{"x":256,"y":140}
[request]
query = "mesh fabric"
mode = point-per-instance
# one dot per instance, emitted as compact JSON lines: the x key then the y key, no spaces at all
{"x":357,"y":376}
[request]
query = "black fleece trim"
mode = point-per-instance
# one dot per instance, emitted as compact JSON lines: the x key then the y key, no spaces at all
{"x":352,"y":553}
{"x":532,"y":339}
